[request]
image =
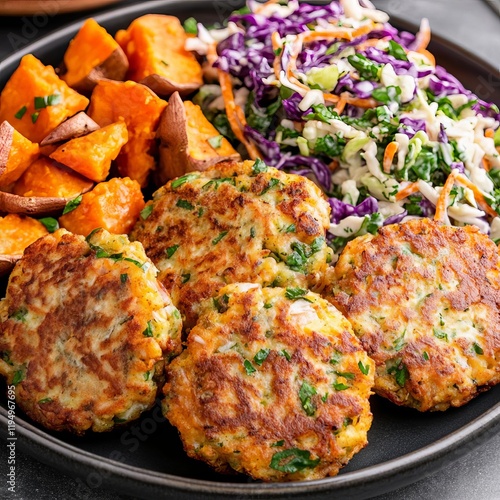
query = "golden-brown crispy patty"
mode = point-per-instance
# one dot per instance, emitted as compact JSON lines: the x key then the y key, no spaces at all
{"x":273,"y":383}
{"x":85,"y":328}
{"x":239,"y":222}
{"x":423,"y":298}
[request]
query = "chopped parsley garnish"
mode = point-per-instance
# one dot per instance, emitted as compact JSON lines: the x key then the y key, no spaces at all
{"x":295,"y":293}
{"x":215,"y":142}
{"x":339,"y":386}
{"x":477,"y":348}
{"x":281,"y":442}
{"x":123,"y":278}
{"x":290,"y":229}
{"x":252,"y":232}
{"x":72,"y":204}
{"x":400,"y":373}
{"x":249,"y":367}
{"x":182,"y":180}
{"x":21,"y":113}
{"x":165,"y":63}
{"x":259,"y":167}
{"x":336,"y":357}
{"x":324,"y":398}
{"x":292,"y":460}
{"x":348,"y":375}
{"x":306,"y":392}
{"x":217,"y":182}
{"x":146,"y":376}
{"x":425,"y":355}
{"x":268,"y":305}
{"x":18,"y":377}
{"x":322,"y":113}
{"x":286,"y":354}
{"x":440,"y":334}
{"x":20,"y":314}
{"x":364,"y":369}
{"x":367,"y":69}
{"x":330,"y":146}
{"x":191,"y":26}
{"x":261,"y":356}
{"x":221,"y":303}
{"x":45,"y":400}
{"x":185,"y":278}
{"x":34,"y":117}
{"x":146,"y":211}
{"x":50,"y":224}
{"x":49,"y":100}
{"x":184,"y":204}
{"x":219,"y":237}
{"x":148,"y":332}
{"x":272,"y":183}
{"x":387,"y":95}
{"x":171,"y":250}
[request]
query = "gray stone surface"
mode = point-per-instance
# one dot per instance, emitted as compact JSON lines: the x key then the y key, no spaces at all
{"x":470,"y":23}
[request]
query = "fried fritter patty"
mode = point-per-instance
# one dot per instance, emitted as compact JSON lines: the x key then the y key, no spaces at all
{"x":423,"y":298}
{"x":85,"y":330}
{"x":273,"y":384}
{"x":239,"y":222}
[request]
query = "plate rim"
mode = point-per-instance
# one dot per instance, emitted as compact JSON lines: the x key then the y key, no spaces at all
{"x":387,"y":476}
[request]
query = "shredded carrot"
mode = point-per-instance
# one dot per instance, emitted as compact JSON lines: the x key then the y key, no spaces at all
{"x":361,"y":103}
{"x":333,"y":165}
{"x":212,"y":53}
{"x":341,"y":104}
{"x":235,"y":114}
{"x":389,"y":153}
{"x":486,"y":164}
{"x":490,"y":133}
{"x":423,"y":36}
{"x":429,"y":56}
{"x":331,"y":97}
{"x":278,"y":49}
{"x":481,"y":201}
{"x":261,"y":7}
{"x":407,"y":191}
{"x":443,"y":200}
{"x":371,"y":42}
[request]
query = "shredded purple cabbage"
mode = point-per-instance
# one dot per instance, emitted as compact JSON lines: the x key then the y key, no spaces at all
{"x":410,"y":126}
{"x":395,"y":219}
{"x":341,"y":210}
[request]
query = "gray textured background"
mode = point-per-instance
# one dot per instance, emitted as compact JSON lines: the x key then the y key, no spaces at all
{"x":469,"y":23}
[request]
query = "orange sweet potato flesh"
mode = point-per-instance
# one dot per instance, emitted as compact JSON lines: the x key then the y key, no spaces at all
{"x":17,"y":232}
{"x":16,"y":154}
{"x":189,"y":142}
{"x":141,"y":109}
{"x":47,"y":178}
{"x":114,"y":205}
{"x":91,"y":56}
{"x":20,"y":108}
{"x":154,"y":45}
{"x":92,"y":154}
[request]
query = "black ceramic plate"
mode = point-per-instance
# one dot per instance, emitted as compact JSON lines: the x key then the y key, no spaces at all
{"x":147,"y":460}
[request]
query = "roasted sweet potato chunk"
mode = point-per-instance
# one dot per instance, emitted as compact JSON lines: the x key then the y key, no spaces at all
{"x":47,"y":178}
{"x":114,"y":205}
{"x":76,"y":126}
{"x":91,"y":155}
{"x":17,"y":232}
{"x":35,"y":100}
{"x":91,"y":56}
{"x":141,"y":109}
{"x":189,"y":141}
{"x":16,"y":154}
{"x":154,"y":45}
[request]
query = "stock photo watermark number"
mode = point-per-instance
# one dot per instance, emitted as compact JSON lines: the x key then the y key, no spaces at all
{"x":11,"y":438}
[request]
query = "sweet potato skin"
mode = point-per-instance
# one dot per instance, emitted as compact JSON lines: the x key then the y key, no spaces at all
{"x":47,"y":178}
{"x":17,"y":232}
{"x":141,"y":109}
{"x":76,"y":126}
{"x":18,"y":105}
{"x":91,"y":56}
{"x":16,"y":154}
{"x":114,"y":205}
{"x":91,"y":155}
{"x":185,"y":135}
{"x":154,"y":45}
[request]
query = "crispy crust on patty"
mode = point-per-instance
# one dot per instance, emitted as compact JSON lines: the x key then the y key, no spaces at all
{"x":235,"y":223}
{"x":85,"y":331}
{"x":271,"y":386}
{"x":423,"y":298}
